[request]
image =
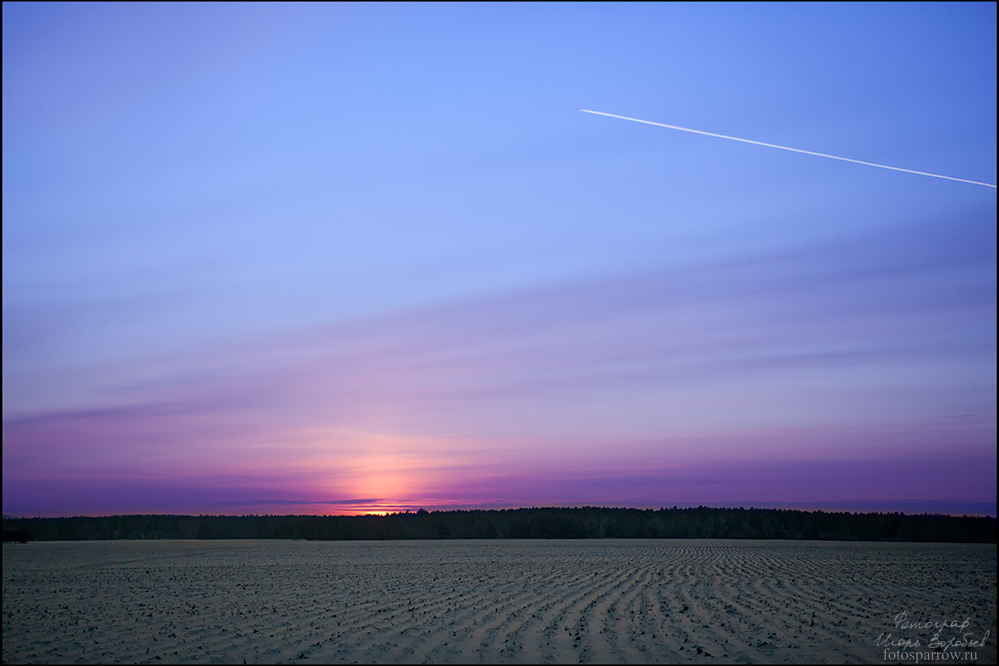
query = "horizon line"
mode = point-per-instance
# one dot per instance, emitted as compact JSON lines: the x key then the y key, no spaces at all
{"x":385,"y":514}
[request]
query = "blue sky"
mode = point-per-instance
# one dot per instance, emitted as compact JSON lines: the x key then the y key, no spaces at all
{"x":349,"y":236}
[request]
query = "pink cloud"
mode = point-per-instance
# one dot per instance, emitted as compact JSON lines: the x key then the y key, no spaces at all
{"x":675,"y":387}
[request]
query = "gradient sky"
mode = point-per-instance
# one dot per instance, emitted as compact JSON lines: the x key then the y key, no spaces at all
{"x":350,"y":258}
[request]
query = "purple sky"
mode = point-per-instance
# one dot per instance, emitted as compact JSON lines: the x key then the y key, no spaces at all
{"x":352,"y":258}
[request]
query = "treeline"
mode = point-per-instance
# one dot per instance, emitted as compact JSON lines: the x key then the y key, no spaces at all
{"x":535,"y":523}
{"x":16,"y":535}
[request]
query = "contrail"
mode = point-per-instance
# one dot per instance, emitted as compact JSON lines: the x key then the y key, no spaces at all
{"x":796,"y":150}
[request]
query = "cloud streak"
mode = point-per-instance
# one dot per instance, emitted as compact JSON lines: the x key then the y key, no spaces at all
{"x":678,"y":386}
{"x":794,"y":150}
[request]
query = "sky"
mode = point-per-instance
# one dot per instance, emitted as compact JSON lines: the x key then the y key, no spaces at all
{"x":341,"y":259}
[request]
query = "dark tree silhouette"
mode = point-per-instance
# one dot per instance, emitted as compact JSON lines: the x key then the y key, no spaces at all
{"x":533,"y":523}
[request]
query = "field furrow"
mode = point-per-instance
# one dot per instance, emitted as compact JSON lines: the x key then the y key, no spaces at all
{"x":602,"y":601}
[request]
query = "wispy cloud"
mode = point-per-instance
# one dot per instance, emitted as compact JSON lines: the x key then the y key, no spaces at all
{"x":565,"y":393}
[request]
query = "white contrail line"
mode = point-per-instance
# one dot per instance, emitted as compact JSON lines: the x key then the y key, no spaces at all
{"x":796,"y":150}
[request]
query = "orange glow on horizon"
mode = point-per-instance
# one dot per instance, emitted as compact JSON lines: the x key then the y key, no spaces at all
{"x":385,"y":472}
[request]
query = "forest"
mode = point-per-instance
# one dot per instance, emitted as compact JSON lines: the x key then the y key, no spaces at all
{"x":528,"y":523}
